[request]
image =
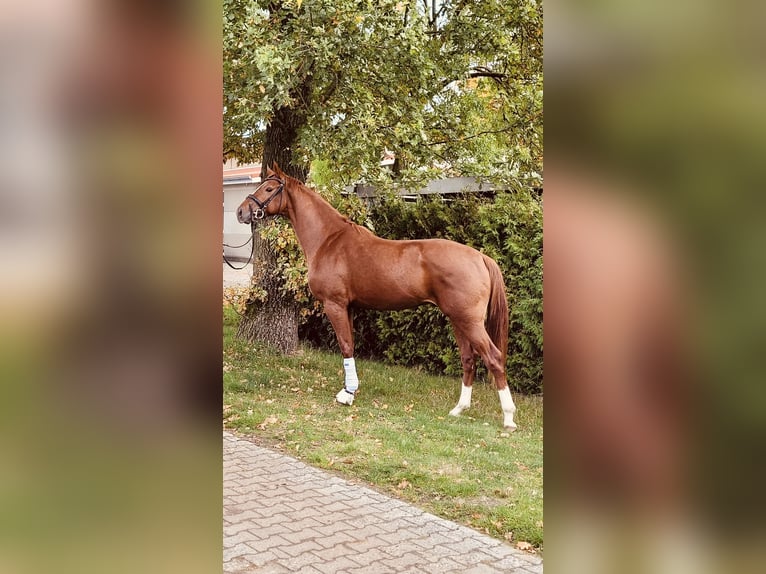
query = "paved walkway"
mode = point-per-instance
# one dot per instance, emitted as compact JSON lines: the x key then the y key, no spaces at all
{"x":237,"y":277}
{"x":281,"y":515}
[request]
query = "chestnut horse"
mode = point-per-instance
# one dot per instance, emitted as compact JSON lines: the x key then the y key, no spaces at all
{"x":349,"y":267}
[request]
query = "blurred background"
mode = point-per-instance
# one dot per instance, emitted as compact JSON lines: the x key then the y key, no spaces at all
{"x":110,"y":304}
{"x":110,"y":289}
{"x":654,"y":277}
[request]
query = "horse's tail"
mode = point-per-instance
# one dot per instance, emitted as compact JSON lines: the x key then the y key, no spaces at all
{"x":497,"y":308}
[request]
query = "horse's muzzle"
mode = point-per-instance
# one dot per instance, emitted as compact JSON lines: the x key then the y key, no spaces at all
{"x":244,"y":216}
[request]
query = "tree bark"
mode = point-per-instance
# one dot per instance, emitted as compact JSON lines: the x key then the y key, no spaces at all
{"x":275,"y":320}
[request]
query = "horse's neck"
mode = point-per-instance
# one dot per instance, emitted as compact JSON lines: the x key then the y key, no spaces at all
{"x":313,"y":219}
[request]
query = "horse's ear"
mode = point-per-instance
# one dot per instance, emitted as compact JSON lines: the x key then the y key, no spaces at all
{"x":269,"y":171}
{"x":277,"y":170}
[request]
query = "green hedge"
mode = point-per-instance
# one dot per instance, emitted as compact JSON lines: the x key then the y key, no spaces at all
{"x":508,"y":228}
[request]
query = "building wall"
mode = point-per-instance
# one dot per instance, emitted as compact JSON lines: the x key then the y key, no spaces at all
{"x":238,"y":181}
{"x":234,"y":232}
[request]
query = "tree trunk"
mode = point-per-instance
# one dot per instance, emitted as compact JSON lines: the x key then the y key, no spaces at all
{"x":275,"y":320}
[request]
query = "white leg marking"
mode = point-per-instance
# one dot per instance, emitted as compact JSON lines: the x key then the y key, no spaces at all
{"x":346,"y":395}
{"x":506,"y":402}
{"x":464,"y":402}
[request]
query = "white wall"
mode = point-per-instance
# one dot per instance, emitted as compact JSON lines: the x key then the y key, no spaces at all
{"x":234,"y":232}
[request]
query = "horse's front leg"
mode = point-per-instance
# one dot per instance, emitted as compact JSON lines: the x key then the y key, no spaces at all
{"x":341,"y":319}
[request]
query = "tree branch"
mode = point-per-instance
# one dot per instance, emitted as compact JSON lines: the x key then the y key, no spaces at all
{"x":474,"y":136}
{"x":482,"y":72}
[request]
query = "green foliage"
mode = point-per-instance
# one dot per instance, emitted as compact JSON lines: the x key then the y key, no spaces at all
{"x":451,"y":87}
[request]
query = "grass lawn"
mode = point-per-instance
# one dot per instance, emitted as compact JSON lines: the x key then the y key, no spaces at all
{"x":397,"y":437}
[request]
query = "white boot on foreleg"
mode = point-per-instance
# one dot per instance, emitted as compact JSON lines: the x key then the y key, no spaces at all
{"x":464,"y":402}
{"x":506,"y":402}
{"x":346,"y":395}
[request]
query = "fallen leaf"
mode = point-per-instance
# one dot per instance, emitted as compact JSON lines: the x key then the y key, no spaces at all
{"x":525,"y":546}
{"x":268,"y":421}
{"x":403,"y":484}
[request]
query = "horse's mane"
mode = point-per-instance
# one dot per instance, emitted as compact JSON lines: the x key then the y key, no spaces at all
{"x":291,"y":182}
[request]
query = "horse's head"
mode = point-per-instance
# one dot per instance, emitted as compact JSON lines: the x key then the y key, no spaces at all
{"x":267,"y":199}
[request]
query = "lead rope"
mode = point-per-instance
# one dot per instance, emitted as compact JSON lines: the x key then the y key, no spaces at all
{"x":249,"y":259}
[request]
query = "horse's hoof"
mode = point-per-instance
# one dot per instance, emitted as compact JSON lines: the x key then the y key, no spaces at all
{"x":510,"y":427}
{"x":456,"y":412}
{"x":344,"y":397}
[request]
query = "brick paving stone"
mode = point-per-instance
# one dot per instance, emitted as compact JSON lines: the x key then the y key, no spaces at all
{"x":237,"y":564}
{"x":235,"y":551}
{"x":281,"y":515}
{"x":446,"y":564}
{"x":403,"y":548}
{"x":371,"y":556}
{"x":336,"y":566}
{"x":258,"y":559}
{"x":483,"y":569}
{"x":300,"y":536}
{"x":299,"y":561}
{"x":267,"y":543}
{"x":361,"y":546}
{"x":373,"y":569}
{"x":333,"y":552}
{"x":406,"y":562}
{"x":240,"y":537}
{"x":328,"y":541}
{"x":270,"y":569}
{"x":302,"y":548}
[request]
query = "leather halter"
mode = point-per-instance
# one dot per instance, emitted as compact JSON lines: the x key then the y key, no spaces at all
{"x":260,"y":213}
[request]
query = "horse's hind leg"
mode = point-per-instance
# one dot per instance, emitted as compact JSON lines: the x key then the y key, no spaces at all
{"x":469,"y":371}
{"x":340,"y":317}
{"x":493,"y":359}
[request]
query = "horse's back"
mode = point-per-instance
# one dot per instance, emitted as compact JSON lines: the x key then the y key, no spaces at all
{"x":423,"y":270}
